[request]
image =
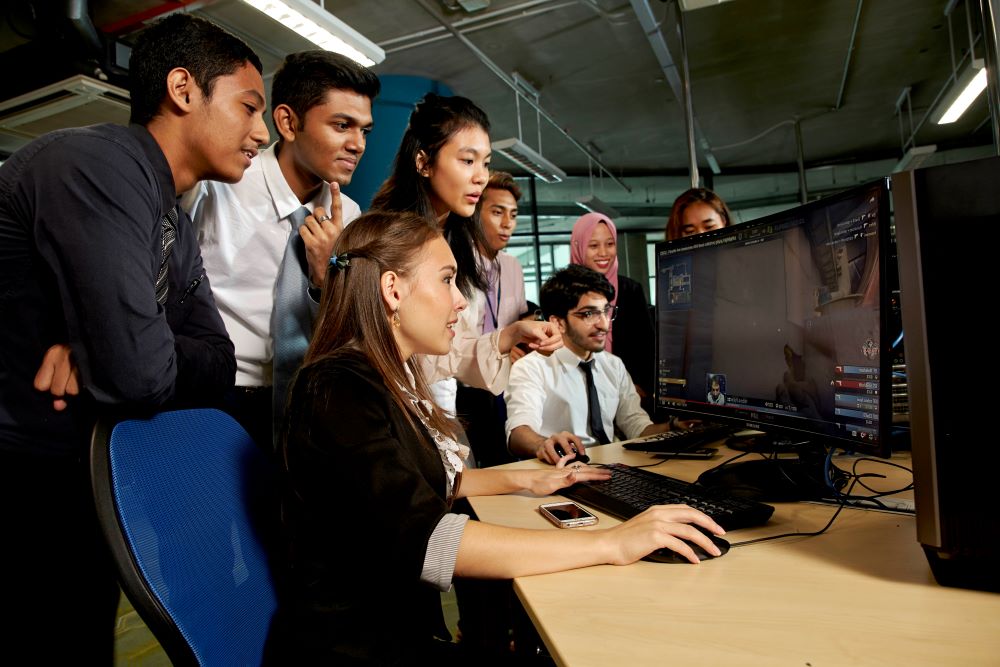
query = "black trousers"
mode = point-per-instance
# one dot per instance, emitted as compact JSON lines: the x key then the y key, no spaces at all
{"x":252,"y":408}
{"x":60,"y":587}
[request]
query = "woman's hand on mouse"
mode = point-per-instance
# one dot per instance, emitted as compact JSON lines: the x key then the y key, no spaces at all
{"x":661,"y":526}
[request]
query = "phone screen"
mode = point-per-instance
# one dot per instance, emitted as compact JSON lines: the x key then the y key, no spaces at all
{"x":568,"y":511}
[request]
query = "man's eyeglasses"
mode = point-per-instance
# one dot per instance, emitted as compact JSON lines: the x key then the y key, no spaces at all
{"x":588,"y":316}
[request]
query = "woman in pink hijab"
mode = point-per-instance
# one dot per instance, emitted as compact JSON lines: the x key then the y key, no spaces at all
{"x":594,"y":244}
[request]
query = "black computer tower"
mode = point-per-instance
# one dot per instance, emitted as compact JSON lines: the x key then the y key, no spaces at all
{"x":947,"y":229}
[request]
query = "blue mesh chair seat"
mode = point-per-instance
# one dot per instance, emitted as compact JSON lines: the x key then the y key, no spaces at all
{"x":187,"y":503}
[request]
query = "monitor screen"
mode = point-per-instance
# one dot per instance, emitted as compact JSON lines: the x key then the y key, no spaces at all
{"x":776,"y":324}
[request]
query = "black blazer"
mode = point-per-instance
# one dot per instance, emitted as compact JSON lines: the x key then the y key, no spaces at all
{"x":633,"y":334}
{"x":364,"y":491}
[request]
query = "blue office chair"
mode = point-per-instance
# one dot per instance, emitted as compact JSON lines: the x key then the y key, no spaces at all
{"x":187,"y":503}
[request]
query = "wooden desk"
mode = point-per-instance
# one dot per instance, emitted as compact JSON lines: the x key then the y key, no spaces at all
{"x":860,"y":594}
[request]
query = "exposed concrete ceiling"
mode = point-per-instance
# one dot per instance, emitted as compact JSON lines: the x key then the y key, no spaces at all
{"x":756,"y":66}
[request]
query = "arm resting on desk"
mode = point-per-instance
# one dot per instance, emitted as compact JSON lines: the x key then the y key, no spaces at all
{"x":496,"y":552}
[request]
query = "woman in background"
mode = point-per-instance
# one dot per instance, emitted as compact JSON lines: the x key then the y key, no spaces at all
{"x":440,"y":173}
{"x":371,"y":469}
{"x":594,"y":244}
{"x":696,"y":211}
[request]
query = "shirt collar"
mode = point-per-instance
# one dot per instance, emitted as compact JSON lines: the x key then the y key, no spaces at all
{"x":568,"y":358}
{"x":285,"y":201}
{"x":161,"y":168}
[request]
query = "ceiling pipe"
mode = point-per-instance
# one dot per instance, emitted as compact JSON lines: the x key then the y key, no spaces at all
{"x":800,"y":160}
{"x":472,"y":20}
{"x":443,"y":34}
{"x":79,"y":19}
{"x":506,"y":78}
{"x":989,"y":10}
{"x":134,"y":21}
{"x":651,"y":27}
{"x":850,"y":55}
{"x":688,"y":104}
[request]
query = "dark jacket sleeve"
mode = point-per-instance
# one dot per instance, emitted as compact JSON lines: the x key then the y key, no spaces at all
{"x":97,"y":227}
{"x":351,"y":463}
{"x":206,"y":359}
{"x":634,"y":337}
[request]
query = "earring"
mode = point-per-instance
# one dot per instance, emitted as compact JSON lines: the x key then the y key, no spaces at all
{"x":395,"y":318}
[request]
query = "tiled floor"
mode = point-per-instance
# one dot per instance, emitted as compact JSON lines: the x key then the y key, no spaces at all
{"x":135,"y":645}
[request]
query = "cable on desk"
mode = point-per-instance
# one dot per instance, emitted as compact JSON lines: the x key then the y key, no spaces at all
{"x":783,"y":535}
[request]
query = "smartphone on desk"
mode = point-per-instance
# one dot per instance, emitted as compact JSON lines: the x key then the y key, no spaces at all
{"x":567,"y":514}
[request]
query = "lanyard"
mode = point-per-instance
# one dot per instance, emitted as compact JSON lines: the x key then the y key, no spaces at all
{"x":494,"y":312}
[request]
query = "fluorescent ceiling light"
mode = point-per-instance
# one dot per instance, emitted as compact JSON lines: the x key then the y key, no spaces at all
{"x":970,"y":83}
{"x":530,"y":160}
{"x":597,"y":205}
{"x":321,"y":28}
{"x":915,"y":157}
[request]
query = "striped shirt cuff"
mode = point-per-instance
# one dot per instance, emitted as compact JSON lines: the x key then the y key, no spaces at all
{"x":442,"y":551}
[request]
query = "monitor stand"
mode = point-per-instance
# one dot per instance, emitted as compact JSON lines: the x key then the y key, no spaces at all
{"x":786,"y":479}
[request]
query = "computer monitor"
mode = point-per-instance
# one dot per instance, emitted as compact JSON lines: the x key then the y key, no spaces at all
{"x":777,"y":324}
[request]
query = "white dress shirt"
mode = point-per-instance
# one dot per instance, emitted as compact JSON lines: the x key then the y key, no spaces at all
{"x":243,"y":229}
{"x":549,"y":394}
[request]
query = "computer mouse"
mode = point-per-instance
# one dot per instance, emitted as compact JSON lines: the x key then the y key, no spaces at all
{"x":582,"y":458}
{"x":668,"y":556}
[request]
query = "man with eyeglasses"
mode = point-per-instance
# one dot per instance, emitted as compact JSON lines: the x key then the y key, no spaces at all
{"x":579,"y":394}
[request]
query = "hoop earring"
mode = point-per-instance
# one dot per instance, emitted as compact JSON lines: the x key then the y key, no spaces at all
{"x":395,"y":318}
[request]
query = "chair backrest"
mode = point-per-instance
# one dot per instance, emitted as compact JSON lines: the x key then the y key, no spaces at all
{"x":188,"y":504}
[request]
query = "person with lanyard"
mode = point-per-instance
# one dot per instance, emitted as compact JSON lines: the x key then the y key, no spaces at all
{"x":580,"y":394}
{"x":102,"y":285}
{"x":594,"y":244}
{"x":440,"y":173}
{"x":371,"y":471}
{"x":494,"y":308}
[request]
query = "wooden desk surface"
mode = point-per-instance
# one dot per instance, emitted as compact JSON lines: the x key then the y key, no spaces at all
{"x":860,"y":594}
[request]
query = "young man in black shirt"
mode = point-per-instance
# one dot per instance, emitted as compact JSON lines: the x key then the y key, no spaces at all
{"x":105,"y":306}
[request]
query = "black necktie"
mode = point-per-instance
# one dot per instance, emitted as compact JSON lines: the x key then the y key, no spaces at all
{"x":594,"y":405}
{"x":168,"y":226}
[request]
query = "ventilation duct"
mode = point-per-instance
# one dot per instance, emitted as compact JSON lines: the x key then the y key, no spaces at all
{"x":75,"y":101}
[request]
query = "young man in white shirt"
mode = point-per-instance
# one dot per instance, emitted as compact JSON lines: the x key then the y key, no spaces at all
{"x":548,"y":400}
{"x":322,"y":110}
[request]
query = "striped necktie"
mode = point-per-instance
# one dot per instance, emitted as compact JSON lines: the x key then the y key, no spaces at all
{"x":169,"y":229}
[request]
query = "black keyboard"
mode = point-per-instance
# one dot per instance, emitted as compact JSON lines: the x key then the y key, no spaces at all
{"x":632,"y":490}
{"x":679,"y":440}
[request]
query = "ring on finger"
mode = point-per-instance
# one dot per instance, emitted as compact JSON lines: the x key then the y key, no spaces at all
{"x":323,"y":218}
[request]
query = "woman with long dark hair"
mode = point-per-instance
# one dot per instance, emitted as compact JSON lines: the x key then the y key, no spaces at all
{"x":439,"y":173}
{"x":372,"y":467}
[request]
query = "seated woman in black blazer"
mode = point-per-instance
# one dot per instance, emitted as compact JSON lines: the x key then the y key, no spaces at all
{"x":371,"y":470}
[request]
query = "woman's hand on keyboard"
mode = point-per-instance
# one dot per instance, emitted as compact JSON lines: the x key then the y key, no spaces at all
{"x":547,"y":482}
{"x":662,"y":526}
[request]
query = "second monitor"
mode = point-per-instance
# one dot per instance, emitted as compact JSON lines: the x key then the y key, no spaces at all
{"x":777,"y":324}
